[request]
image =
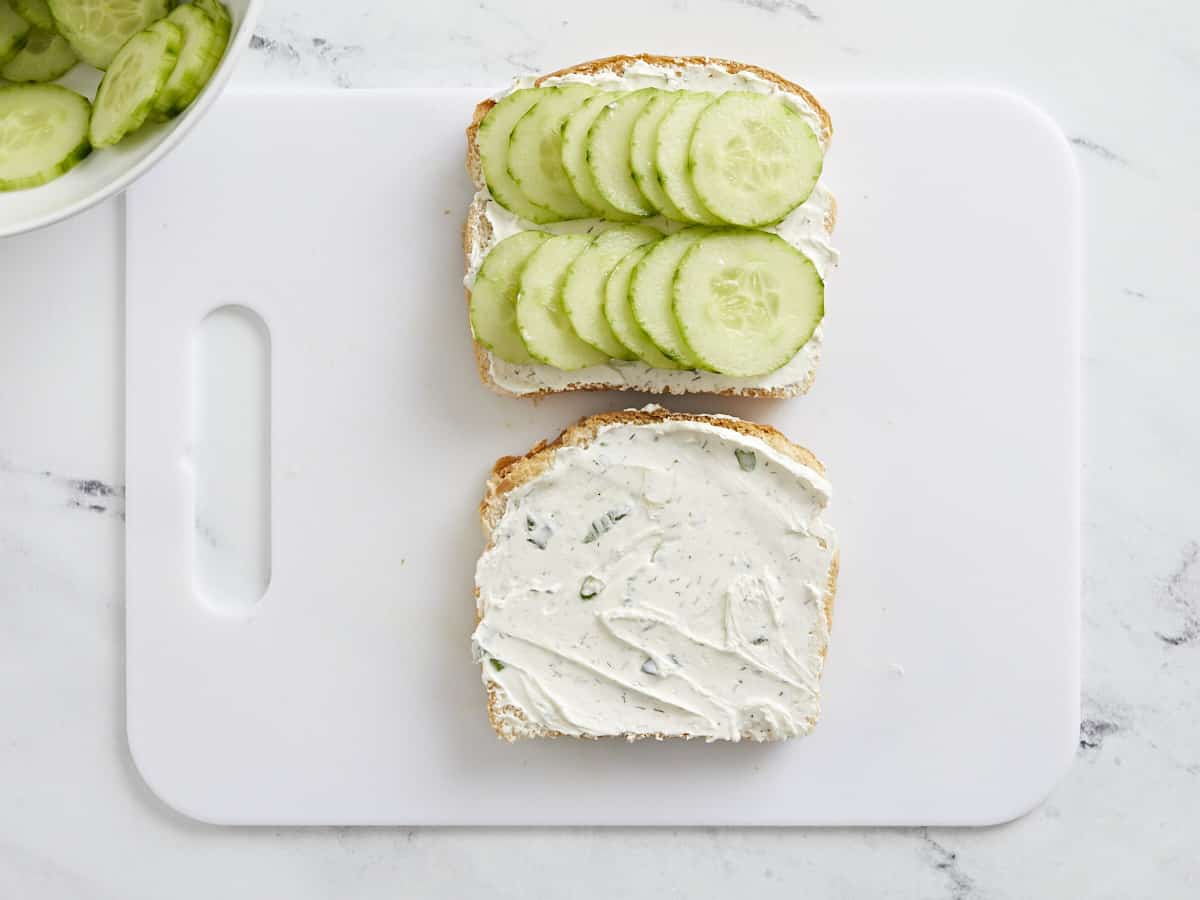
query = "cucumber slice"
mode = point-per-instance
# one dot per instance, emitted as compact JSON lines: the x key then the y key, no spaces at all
{"x":219,"y":13}
{"x":494,"y":321}
{"x":203,"y":45}
{"x":492,"y":140}
{"x":747,"y":301}
{"x":45,"y":56}
{"x":138,"y":72}
{"x":14,"y":32}
{"x":671,"y":156}
{"x":583,"y":288}
{"x":642,"y":146}
{"x":544,"y":326}
{"x":608,"y":153}
{"x":35,"y":12}
{"x":619,"y":313}
{"x":535,"y":151}
{"x":574,"y":157}
{"x":650,"y":294}
{"x":43,"y":133}
{"x":97,"y":29}
{"x":753,"y":159}
{"x":494,"y":296}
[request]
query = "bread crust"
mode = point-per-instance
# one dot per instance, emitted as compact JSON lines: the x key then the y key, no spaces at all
{"x":477,"y":230}
{"x":511,"y":472}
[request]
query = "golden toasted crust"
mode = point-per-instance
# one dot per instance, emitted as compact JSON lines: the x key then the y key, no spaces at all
{"x":510,"y":472}
{"x":477,"y":231}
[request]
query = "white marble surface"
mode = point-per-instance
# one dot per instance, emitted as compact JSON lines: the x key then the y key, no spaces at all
{"x":1121,"y":79}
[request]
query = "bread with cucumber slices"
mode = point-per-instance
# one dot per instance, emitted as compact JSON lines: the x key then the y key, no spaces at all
{"x":655,"y":574}
{"x":659,"y":226}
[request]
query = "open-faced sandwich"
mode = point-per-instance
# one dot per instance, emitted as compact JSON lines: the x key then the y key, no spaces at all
{"x":653,"y":574}
{"x":649,"y":223}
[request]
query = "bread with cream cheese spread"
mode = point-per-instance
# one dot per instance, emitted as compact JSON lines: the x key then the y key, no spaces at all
{"x":611,"y":601}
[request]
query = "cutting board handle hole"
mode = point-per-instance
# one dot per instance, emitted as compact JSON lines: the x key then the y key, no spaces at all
{"x":231,"y":460}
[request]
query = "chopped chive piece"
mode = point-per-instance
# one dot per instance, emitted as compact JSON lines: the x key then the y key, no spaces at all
{"x":746,"y":459}
{"x":590,"y":587}
{"x":497,"y":665}
{"x":603,"y":524}
{"x":539,"y":533}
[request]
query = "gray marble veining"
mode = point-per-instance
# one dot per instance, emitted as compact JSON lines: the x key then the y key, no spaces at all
{"x":774,"y":6}
{"x":1099,"y":150}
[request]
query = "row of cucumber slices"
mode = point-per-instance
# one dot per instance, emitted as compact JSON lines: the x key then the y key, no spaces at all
{"x":156,"y":62}
{"x":734,"y":301}
{"x":575,"y":151}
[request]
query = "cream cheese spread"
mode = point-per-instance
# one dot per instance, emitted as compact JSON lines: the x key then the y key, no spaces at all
{"x":665,"y":579}
{"x":637,"y":376}
{"x":804,"y":229}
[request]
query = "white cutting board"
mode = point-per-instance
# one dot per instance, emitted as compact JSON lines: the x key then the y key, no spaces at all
{"x":947,"y":411}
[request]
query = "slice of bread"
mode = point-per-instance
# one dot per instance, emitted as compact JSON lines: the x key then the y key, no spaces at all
{"x":541,"y":635}
{"x":793,"y":379}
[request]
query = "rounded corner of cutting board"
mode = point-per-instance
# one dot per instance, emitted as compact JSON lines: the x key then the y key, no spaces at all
{"x":172,"y":792}
{"x":1043,"y":125}
{"x":1037,"y":790}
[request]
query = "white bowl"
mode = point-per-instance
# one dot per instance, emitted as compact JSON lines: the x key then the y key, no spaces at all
{"x":111,"y":170}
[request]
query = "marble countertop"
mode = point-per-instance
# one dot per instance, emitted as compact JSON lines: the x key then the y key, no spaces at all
{"x":76,"y":820}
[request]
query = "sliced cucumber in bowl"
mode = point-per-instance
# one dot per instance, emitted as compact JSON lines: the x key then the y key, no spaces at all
{"x":36,"y":13}
{"x":154,"y":65}
{"x":43,"y":133}
{"x":14,"y":32}
{"x":45,"y":57}
{"x":203,"y":45}
{"x":218,"y":12}
{"x":132,"y":83}
{"x":98,"y":29}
